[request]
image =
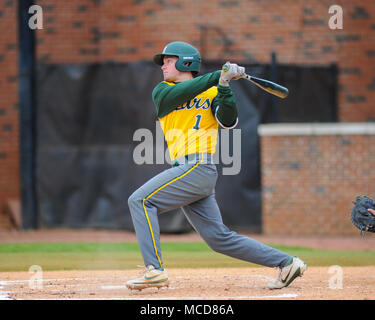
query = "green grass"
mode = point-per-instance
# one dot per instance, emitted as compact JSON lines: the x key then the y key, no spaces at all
{"x":110,"y":256}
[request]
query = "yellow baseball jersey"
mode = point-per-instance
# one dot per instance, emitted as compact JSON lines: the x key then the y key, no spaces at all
{"x":191,"y":127}
{"x":191,"y":111}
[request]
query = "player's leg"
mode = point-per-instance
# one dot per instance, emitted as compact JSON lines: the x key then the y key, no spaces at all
{"x":144,"y":213}
{"x":205,"y":217}
{"x":168,"y":190}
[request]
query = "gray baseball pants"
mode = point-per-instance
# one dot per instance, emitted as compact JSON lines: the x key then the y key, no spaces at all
{"x":190,"y":184}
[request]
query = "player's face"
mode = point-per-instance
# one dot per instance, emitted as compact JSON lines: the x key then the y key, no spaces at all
{"x":170,"y":72}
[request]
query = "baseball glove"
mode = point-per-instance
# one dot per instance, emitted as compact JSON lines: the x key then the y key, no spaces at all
{"x":360,"y":216}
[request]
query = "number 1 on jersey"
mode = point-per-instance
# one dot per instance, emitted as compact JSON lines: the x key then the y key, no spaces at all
{"x":196,"y":126}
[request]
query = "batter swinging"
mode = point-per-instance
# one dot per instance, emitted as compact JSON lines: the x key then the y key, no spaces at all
{"x":190,"y":109}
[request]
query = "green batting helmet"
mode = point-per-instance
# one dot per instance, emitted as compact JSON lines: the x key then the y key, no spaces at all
{"x":189,"y":58}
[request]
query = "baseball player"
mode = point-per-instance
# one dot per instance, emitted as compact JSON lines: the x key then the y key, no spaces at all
{"x":190,"y":109}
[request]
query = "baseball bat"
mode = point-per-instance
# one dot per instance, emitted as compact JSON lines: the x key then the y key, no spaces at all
{"x":268,"y":86}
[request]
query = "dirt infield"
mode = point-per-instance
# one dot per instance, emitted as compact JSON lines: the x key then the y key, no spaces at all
{"x":318,"y":283}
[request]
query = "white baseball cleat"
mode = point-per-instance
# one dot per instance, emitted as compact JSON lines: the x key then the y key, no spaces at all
{"x":295,"y":268}
{"x":152,"y":278}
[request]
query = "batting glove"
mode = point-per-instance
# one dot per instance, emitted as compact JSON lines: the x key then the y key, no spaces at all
{"x":230,"y":71}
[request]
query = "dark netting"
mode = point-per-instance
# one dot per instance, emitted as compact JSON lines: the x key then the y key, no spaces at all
{"x":87,"y":116}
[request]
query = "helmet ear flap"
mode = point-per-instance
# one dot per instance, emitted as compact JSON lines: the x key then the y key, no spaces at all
{"x":190,"y":64}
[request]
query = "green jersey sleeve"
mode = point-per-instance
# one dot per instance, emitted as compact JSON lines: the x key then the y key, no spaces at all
{"x":224,"y":107}
{"x":168,"y":97}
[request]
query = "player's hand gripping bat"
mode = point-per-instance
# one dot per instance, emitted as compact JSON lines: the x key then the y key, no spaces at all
{"x":268,"y":86}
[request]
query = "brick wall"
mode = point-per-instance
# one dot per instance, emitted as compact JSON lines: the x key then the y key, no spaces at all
{"x":88,"y":31}
{"x":311,"y":174}
{"x":240,"y":30}
{"x":9,"y":124}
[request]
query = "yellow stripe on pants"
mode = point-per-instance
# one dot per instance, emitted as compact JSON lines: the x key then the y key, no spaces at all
{"x":149,"y":196}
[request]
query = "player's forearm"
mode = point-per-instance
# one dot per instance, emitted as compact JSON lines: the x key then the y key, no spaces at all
{"x":226,"y":110}
{"x":168,"y":97}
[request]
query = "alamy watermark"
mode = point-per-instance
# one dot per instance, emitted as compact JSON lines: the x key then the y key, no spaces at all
{"x":36,"y":279}
{"x":36,"y":20}
{"x":336,"y":280}
{"x":151,"y":150}
{"x":336,"y":20}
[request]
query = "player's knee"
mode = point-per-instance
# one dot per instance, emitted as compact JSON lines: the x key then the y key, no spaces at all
{"x":131,"y":200}
{"x":135,"y":199}
{"x":217,"y":240}
{"x":214,"y":239}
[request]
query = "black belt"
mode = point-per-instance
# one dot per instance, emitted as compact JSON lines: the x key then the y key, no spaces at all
{"x":193,"y":158}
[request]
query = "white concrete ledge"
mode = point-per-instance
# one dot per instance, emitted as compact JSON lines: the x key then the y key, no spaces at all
{"x":311,"y":129}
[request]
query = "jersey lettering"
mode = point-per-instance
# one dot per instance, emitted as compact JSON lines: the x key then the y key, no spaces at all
{"x":195,"y":103}
{"x":196,"y":126}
